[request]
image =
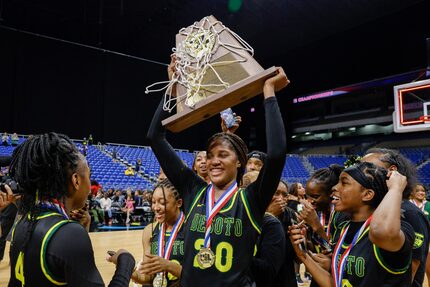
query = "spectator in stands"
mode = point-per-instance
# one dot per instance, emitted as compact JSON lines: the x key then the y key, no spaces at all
{"x":95,"y":187}
{"x":129,"y":206}
{"x":129,"y":171}
{"x":111,"y":193}
{"x":106,"y":204}
{"x":114,"y":154}
{"x":5,"y":139}
{"x":14,"y":139}
{"x":90,"y":139}
{"x":138,"y":165}
{"x":138,"y":200}
{"x":96,"y":212}
{"x":255,"y":160}
{"x":394,"y":161}
{"x":199,"y":165}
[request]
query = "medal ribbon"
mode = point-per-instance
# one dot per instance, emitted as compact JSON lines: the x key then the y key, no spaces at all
{"x":212,"y":209}
{"x":338,"y":268}
{"x":165,"y":251}
{"x":329,"y":221}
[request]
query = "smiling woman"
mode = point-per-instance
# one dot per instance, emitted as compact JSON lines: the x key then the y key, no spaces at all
{"x":222,"y":221}
{"x":374,"y":248}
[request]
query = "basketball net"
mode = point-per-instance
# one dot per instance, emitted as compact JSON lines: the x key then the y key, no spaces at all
{"x":194,"y":60}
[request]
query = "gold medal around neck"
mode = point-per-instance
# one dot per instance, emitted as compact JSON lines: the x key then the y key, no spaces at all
{"x":205,"y":258}
{"x":159,"y":281}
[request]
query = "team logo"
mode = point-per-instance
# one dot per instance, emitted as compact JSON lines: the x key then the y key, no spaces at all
{"x":419,"y":240}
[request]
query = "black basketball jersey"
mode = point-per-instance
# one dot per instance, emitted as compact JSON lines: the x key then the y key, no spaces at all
{"x":233,"y":236}
{"x":419,"y":222}
{"x":29,"y":268}
{"x":368,"y":265}
{"x":177,"y":254}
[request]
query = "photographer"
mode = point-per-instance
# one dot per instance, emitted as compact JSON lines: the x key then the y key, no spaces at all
{"x":8,"y":211}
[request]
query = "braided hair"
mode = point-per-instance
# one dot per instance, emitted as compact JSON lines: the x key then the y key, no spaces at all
{"x":404,"y":166}
{"x":42,"y":165}
{"x":327,"y":177}
{"x":237,"y":144}
{"x":372,"y":177}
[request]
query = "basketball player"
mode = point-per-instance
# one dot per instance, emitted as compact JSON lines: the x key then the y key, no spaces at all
{"x":392,"y":160}
{"x":165,"y":262}
{"x":48,"y":249}
{"x":222,"y":222}
{"x":374,"y":248}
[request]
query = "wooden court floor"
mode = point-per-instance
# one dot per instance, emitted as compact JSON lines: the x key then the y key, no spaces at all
{"x":103,"y":241}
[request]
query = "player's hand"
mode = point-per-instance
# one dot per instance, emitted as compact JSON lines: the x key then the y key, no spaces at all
{"x":232,"y":129}
{"x":396,"y":181}
{"x":277,"y":206}
{"x":7,"y":197}
{"x":324,"y":260}
{"x":297,"y":236}
{"x":82,"y":216}
{"x":275,"y":83}
{"x":153,"y":264}
{"x":309,"y":215}
{"x":114,"y":258}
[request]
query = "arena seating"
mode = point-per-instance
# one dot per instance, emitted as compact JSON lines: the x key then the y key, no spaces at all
{"x":294,"y":170}
{"x":320,"y":161}
{"x":110,"y":173}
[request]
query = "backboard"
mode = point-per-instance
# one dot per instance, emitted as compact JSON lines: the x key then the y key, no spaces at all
{"x":412,"y":107}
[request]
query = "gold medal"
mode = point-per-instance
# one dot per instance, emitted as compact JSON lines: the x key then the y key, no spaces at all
{"x":205,"y":258}
{"x":159,"y":280}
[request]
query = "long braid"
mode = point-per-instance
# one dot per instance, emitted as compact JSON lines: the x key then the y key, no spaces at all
{"x":41,"y":166}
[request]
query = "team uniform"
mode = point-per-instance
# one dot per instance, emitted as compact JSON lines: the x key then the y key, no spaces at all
{"x":269,"y":262}
{"x":59,"y":253}
{"x":419,"y":222}
{"x":177,"y":254}
{"x":235,"y":227}
{"x":368,"y":265}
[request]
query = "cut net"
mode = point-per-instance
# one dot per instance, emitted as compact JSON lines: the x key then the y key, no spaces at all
{"x":193,"y":61}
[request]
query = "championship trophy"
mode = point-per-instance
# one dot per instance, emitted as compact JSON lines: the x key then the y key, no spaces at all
{"x":215,"y":70}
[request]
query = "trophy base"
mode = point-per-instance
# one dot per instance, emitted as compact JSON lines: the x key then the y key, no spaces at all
{"x":211,"y":106}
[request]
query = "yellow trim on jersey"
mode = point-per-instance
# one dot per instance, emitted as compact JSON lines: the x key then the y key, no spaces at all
{"x":45,"y":241}
{"x":248,"y":211}
{"x":385,"y":265}
{"x":199,"y":194}
{"x":230,"y":205}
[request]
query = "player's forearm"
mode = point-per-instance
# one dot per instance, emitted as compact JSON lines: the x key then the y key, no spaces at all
{"x":385,"y":225}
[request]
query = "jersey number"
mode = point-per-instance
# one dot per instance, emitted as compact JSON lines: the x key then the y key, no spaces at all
{"x":19,"y":269}
{"x":345,"y":283}
{"x":223,"y":250}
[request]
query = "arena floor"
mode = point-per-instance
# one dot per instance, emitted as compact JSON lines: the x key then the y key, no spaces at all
{"x":103,"y":241}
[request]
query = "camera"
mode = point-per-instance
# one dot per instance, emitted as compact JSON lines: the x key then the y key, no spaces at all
{"x":14,"y":186}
